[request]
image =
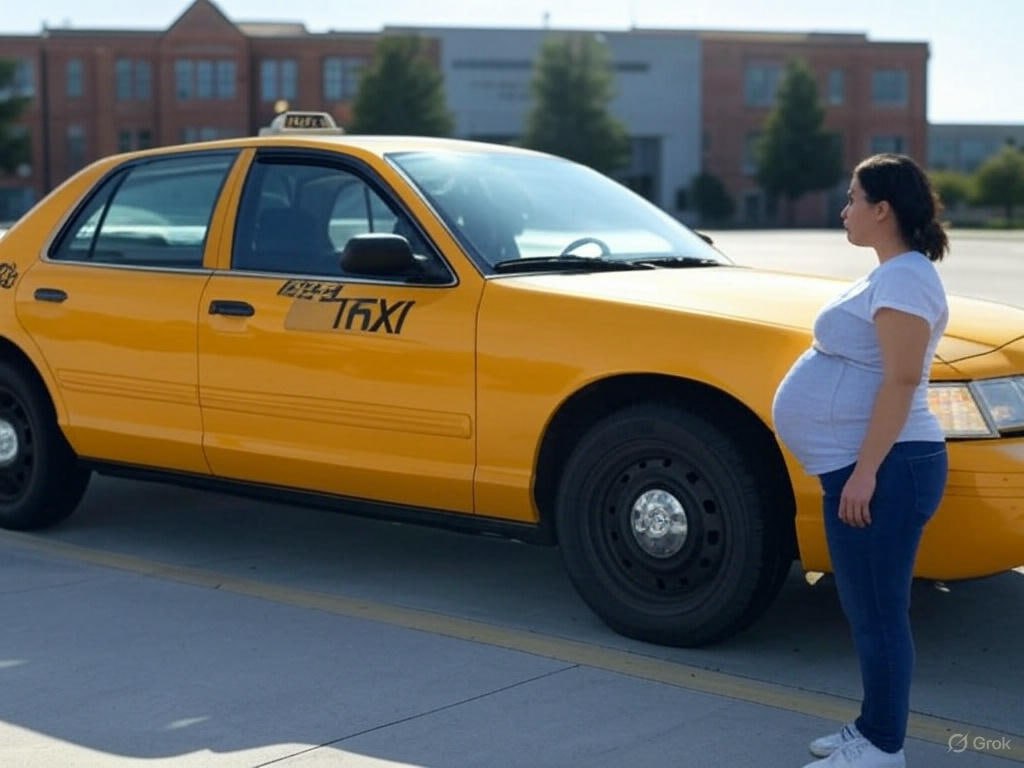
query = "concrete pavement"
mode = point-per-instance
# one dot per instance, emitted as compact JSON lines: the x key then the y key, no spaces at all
{"x":117,"y":660}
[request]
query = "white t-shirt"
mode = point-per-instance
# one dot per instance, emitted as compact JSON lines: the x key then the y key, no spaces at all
{"x":823,"y":405}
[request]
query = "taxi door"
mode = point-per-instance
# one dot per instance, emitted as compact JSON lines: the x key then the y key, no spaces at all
{"x":313,"y":380}
{"x":113,"y":308}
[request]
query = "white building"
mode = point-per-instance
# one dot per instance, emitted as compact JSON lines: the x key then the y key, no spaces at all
{"x":487,"y":75}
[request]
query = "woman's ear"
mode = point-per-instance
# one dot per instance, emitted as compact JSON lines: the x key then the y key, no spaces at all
{"x":882,"y":210}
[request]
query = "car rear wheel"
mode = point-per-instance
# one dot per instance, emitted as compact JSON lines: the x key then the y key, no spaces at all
{"x":41,"y":479}
{"x":664,"y":529}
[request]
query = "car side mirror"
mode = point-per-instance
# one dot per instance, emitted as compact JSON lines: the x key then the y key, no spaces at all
{"x":379,"y":255}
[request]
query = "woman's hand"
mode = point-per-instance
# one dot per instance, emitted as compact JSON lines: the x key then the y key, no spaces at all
{"x":854,"y":503}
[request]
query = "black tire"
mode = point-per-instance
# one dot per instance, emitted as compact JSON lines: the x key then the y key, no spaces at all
{"x":41,"y":479}
{"x":686,"y":588}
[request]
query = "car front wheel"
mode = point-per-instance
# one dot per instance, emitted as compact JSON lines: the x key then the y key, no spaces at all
{"x":41,"y":479}
{"x":662,"y":527}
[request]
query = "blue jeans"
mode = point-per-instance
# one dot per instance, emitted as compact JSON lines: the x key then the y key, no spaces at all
{"x":873,"y":569}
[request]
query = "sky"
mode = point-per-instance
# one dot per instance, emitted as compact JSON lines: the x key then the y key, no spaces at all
{"x":975,"y":74}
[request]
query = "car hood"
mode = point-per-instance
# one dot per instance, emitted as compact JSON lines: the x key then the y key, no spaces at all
{"x":774,"y":298}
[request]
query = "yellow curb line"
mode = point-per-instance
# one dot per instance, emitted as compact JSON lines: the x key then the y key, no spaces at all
{"x":955,"y":736}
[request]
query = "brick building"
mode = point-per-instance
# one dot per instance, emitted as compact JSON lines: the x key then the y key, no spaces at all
{"x":964,"y":148}
{"x":691,"y":100}
{"x":874,"y":95}
{"x":97,"y":92}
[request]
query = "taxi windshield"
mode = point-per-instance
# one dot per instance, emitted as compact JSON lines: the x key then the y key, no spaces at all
{"x":504,"y":206}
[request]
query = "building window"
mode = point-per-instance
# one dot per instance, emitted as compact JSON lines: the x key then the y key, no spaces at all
{"x":191,"y":133}
{"x":642,"y":174}
{"x":134,"y":80}
{"x":974,"y":152}
{"x":25,"y":79}
{"x":123,"y":69}
{"x":23,"y":83}
{"x":942,"y":154}
{"x":521,"y":64}
{"x":341,"y":77}
{"x":183,"y":79}
{"x":278,"y":79}
{"x":886,"y":144}
{"x":143,"y":80}
{"x":128,"y":140}
{"x":226,"y":78}
{"x":836,"y":87}
{"x":75,"y":147}
{"x":889,"y":87}
{"x":760,"y":82}
{"x":74,"y":79}
{"x":204,"y":79}
{"x":752,"y":153}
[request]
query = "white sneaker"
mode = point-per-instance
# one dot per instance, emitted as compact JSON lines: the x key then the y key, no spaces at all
{"x":826,"y":745}
{"x":861,"y":754}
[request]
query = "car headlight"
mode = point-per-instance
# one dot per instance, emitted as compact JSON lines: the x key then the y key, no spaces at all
{"x":978,"y":408}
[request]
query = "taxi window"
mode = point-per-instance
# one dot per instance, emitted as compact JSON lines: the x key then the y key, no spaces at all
{"x":151,"y":214}
{"x":296,"y":218}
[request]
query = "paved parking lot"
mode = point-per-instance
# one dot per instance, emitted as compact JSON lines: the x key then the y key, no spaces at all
{"x":164,"y":626}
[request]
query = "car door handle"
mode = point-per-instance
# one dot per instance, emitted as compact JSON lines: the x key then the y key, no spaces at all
{"x":231,"y":308}
{"x":56,"y":295}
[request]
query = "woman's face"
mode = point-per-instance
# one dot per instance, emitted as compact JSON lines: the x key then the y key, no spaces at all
{"x":858,"y":216}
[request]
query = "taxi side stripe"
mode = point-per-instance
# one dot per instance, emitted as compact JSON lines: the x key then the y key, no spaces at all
{"x":159,"y":390}
{"x":341,"y":412}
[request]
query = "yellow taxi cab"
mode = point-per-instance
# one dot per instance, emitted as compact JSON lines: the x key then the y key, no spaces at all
{"x":462,"y":334}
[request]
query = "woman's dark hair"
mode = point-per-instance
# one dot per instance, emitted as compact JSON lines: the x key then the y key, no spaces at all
{"x":900,"y":182}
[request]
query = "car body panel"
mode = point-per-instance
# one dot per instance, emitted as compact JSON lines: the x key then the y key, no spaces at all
{"x":723,"y":327}
{"x":539,"y":345}
{"x":339,"y":387}
{"x":129,"y":387}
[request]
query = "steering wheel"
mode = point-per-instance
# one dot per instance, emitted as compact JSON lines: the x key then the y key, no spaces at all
{"x":581,"y":241}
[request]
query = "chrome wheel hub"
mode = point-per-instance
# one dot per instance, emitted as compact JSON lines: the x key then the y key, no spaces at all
{"x":659,"y":523}
{"x":8,"y":443}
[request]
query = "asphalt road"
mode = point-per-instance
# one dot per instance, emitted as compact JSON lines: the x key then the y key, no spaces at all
{"x":983,"y":264}
{"x":164,"y":626}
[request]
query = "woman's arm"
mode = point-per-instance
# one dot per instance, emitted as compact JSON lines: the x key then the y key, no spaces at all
{"x":903,"y":339}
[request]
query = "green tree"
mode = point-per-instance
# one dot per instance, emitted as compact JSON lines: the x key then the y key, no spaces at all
{"x":14,"y":146}
{"x":402,"y":92}
{"x":796,"y":155}
{"x":711,"y":198}
{"x":952,"y":187}
{"x":1000,"y":181}
{"x":572,"y":86}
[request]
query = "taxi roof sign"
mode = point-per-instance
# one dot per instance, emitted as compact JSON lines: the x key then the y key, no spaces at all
{"x":293,"y":122}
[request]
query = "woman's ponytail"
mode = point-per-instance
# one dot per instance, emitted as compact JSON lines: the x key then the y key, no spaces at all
{"x":898,"y":180}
